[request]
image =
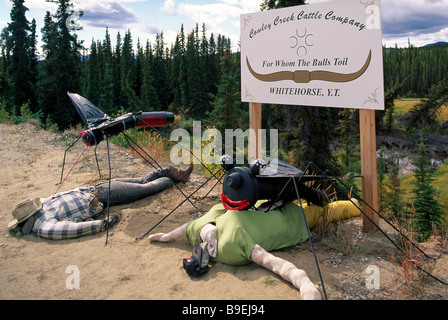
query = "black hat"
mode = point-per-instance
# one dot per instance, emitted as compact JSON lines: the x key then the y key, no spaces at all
{"x":197,"y":264}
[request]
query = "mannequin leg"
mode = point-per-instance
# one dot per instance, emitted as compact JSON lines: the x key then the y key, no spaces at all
{"x":125,"y":192}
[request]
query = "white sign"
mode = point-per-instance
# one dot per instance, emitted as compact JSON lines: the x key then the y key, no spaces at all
{"x":326,"y":54}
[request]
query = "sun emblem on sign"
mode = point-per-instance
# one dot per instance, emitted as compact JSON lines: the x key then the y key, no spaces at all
{"x":301,"y":42}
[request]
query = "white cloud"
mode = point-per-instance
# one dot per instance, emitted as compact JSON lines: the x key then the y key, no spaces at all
{"x":39,"y":4}
{"x":249,"y":6}
{"x":443,"y":34}
{"x":105,"y":13}
{"x":212,"y":13}
{"x":423,"y":39}
{"x":169,"y":8}
{"x":220,"y":17}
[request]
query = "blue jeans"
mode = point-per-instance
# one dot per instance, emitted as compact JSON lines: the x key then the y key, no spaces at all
{"x":127,"y":190}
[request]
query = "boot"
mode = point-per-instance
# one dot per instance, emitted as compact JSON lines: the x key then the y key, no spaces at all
{"x":112,"y":220}
{"x":179,"y":175}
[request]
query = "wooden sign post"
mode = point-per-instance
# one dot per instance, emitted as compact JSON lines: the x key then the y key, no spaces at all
{"x":255,"y":117}
{"x":369,"y":170}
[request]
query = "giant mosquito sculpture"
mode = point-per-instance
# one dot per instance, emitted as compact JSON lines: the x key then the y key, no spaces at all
{"x":101,"y":126}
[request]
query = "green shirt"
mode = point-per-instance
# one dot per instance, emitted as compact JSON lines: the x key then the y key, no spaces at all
{"x":239,"y":231}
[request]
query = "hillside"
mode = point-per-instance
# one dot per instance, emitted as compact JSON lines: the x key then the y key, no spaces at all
{"x":437,"y":44}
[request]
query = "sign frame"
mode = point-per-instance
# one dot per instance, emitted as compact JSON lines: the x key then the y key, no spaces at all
{"x":326,"y":55}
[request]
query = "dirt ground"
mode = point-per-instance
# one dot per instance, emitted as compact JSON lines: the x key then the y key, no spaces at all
{"x":132,"y":268}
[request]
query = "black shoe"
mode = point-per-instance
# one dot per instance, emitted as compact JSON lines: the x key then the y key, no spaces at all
{"x":112,"y":220}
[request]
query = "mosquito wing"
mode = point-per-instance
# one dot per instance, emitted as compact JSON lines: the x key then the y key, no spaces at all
{"x":90,"y":114}
{"x":279,"y":169}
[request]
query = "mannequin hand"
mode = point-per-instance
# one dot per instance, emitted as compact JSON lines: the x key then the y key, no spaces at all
{"x":176,"y":234}
{"x":159,"y":237}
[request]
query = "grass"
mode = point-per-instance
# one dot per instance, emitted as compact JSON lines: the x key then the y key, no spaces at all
{"x":268,"y":281}
{"x":344,"y":241}
{"x":154,"y":146}
{"x":124,"y":277}
{"x":41,"y":277}
{"x":404,"y":105}
{"x":175,"y":288}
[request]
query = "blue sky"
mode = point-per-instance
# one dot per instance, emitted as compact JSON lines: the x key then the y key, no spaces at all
{"x":423,"y":21}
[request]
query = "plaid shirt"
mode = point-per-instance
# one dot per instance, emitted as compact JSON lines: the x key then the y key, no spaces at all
{"x":64,"y":216}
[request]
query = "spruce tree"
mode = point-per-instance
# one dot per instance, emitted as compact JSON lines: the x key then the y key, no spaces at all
{"x":47,"y":84}
{"x":34,"y":62}
{"x":118,"y":93}
{"x":5,"y":46}
{"x":177,"y":55}
{"x":213,"y":65}
{"x":381,"y":180}
{"x":139,"y":63}
{"x":160,"y":73}
{"x":128,"y":69}
{"x":62,"y":68}
{"x":192,"y":75}
{"x":348,"y":134}
{"x":19,"y":70}
{"x":226,"y":110}
{"x":150,"y":97}
{"x":426,"y":112}
{"x":207,"y":83}
{"x":6,"y":96}
{"x":394,"y":194}
{"x":106,"y":99}
{"x":183,"y":87}
{"x":93,"y":75}
{"x":428,"y":211}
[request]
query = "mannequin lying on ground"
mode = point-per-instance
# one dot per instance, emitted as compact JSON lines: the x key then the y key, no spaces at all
{"x":70,"y":214}
{"x":243,"y":237}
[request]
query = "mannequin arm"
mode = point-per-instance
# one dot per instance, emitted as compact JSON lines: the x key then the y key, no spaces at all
{"x":176,"y":234}
{"x":287,"y":271}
